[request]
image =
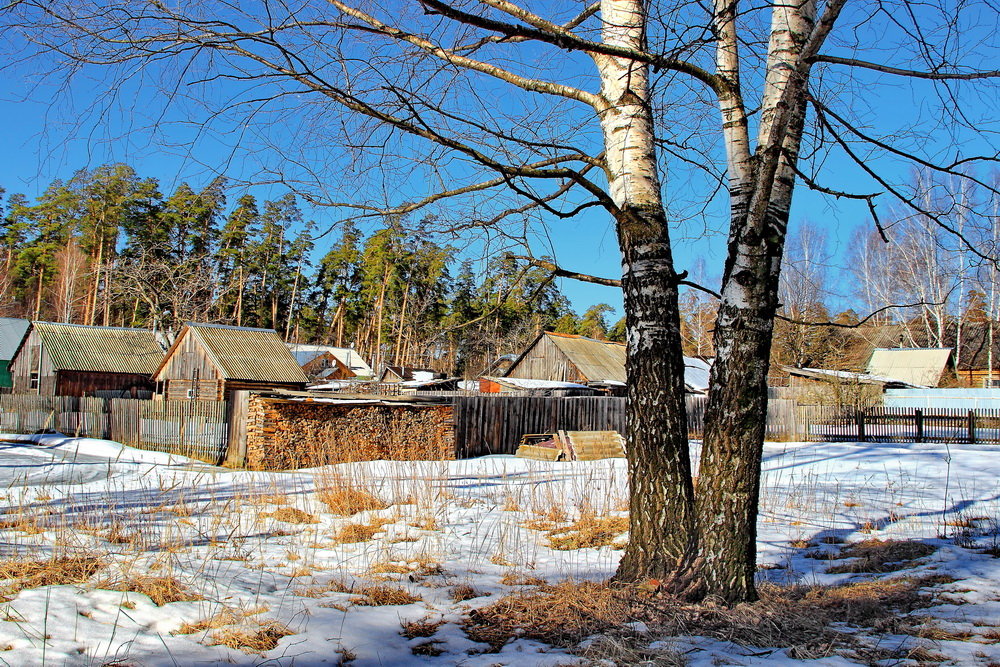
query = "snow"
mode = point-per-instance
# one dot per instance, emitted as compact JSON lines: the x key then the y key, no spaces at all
{"x":526,"y":383}
{"x":213,"y":531}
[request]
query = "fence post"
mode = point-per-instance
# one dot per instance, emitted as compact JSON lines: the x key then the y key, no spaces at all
{"x":237,"y":411}
{"x":972,"y":426}
{"x":861,"y":425}
{"x":918,"y":415}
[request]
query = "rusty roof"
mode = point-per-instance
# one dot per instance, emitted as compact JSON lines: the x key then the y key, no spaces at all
{"x":76,"y":347}
{"x":242,"y":353}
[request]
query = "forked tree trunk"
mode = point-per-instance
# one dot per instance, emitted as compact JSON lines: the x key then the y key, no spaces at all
{"x":660,"y":491}
{"x":735,"y":417}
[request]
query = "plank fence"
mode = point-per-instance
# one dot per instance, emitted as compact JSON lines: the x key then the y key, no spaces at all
{"x":192,"y":428}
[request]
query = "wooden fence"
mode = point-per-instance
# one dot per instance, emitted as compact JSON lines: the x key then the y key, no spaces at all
{"x":28,"y":413}
{"x":909,"y":425}
{"x":192,"y":428}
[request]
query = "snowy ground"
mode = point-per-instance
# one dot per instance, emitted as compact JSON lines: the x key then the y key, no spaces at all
{"x":250,"y":552}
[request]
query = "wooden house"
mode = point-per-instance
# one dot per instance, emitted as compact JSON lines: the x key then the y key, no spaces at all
{"x":75,"y":360}
{"x":569,"y":358}
{"x":12,"y":333}
{"x":598,"y":364}
{"x":208,"y":361}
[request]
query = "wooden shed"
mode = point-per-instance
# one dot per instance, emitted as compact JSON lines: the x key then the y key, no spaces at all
{"x":75,"y":360}
{"x":326,"y":362}
{"x":208,"y":361}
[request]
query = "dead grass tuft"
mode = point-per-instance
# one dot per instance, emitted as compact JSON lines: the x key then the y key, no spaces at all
{"x":214,"y":622}
{"x":383,"y":596}
{"x":259,"y":640}
{"x":343,"y":497}
{"x":291,"y":515}
{"x":425,"y":627}
{"x":463,"y":592}
{"x":799,"y":618}
{"x":161,"y":590}
{"x":881,"y":556}
{"x":353,"y":533}
{"x":588,"y":532}
{"x":515,"y":579}
{"x":57,"y":571}
{"x":332,"y":586}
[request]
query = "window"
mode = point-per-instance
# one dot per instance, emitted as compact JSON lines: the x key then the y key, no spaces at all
{"x":33,"y":384}
{"x":991,"y":383}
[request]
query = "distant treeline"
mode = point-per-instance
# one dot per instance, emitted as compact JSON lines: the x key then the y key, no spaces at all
{"x":107,"y":247}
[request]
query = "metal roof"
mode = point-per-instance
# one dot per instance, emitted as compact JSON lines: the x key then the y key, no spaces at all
{"x":595,"y":359}
{"x":12,"y":332}
{"x":917,"y":366}
{"x":76,"y":347}
{"x":242,"y":353}
{"x":345,"y":355}
{"x":603,"y":361}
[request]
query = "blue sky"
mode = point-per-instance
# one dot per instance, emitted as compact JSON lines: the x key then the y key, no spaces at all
{"x":43,"y":141}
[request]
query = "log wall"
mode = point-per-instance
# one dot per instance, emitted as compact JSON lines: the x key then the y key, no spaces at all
{"x":285,"y":434}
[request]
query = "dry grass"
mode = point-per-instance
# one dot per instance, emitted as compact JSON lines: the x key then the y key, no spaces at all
{"x":214,"y":622}
{"x":799,"y":618}
{"x":588,"y":532}
{"x":57,"y":571}
{"x":515,"y":579}
{"x":161,"y":590}
{"x":425,"y":627}
{"x":463,"y":592}
{"x":291,"y":515}
{"x":353,"y":533}
{"x":383,"y":596}
{"x":332,"y":586}
{"x":344,"y":497}
{"x":258,"y":640}
{"x":881,"y":556}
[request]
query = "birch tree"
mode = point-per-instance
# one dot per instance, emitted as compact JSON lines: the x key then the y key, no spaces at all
{"x":556,"y":110}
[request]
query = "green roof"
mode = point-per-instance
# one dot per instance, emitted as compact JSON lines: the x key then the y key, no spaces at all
{"x":75,"y":347}
{"x":253,"y":355}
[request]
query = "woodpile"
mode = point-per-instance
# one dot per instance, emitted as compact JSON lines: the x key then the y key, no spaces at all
{"x":572,"y":446}
{"x":285,"y":434}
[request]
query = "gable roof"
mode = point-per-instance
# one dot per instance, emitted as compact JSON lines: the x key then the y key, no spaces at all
{"x":604,"y":360}
{"x":12,"y":332}
{"x":918,"y":366}
{"x":242,"y":353}
{"x":595,"y":359}
{"x":345,"y":355}
{"x":76,"y":347}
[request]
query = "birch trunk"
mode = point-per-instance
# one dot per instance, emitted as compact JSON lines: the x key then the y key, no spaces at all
{"x":761,"y":191}
{"x":660,"y":495}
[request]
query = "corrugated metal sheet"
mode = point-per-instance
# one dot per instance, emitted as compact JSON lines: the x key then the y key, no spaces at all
{"x":75,"y":347}
{"x":919,"y":366}
{"x":253,"y":355}
{"x":12,"y":332}
{"x":596,"y":359}
{"x":964,"y":398}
